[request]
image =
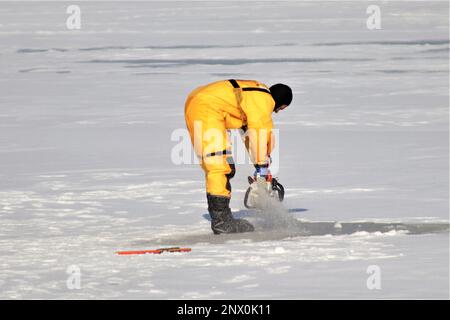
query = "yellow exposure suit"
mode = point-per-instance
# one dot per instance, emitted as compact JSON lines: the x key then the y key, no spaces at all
{"x":211,"y":110}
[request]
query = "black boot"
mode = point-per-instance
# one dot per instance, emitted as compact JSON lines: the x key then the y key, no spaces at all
{"x":222,"y":220}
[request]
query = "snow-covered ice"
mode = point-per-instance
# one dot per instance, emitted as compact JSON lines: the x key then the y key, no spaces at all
{"x":86,"y":118}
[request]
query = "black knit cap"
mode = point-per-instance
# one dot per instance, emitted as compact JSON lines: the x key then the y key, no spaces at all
{"x":282,"y":94}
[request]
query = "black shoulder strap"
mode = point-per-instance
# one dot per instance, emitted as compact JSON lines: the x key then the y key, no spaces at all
{"x":235,"y":85}
{"x":256,"y":89}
